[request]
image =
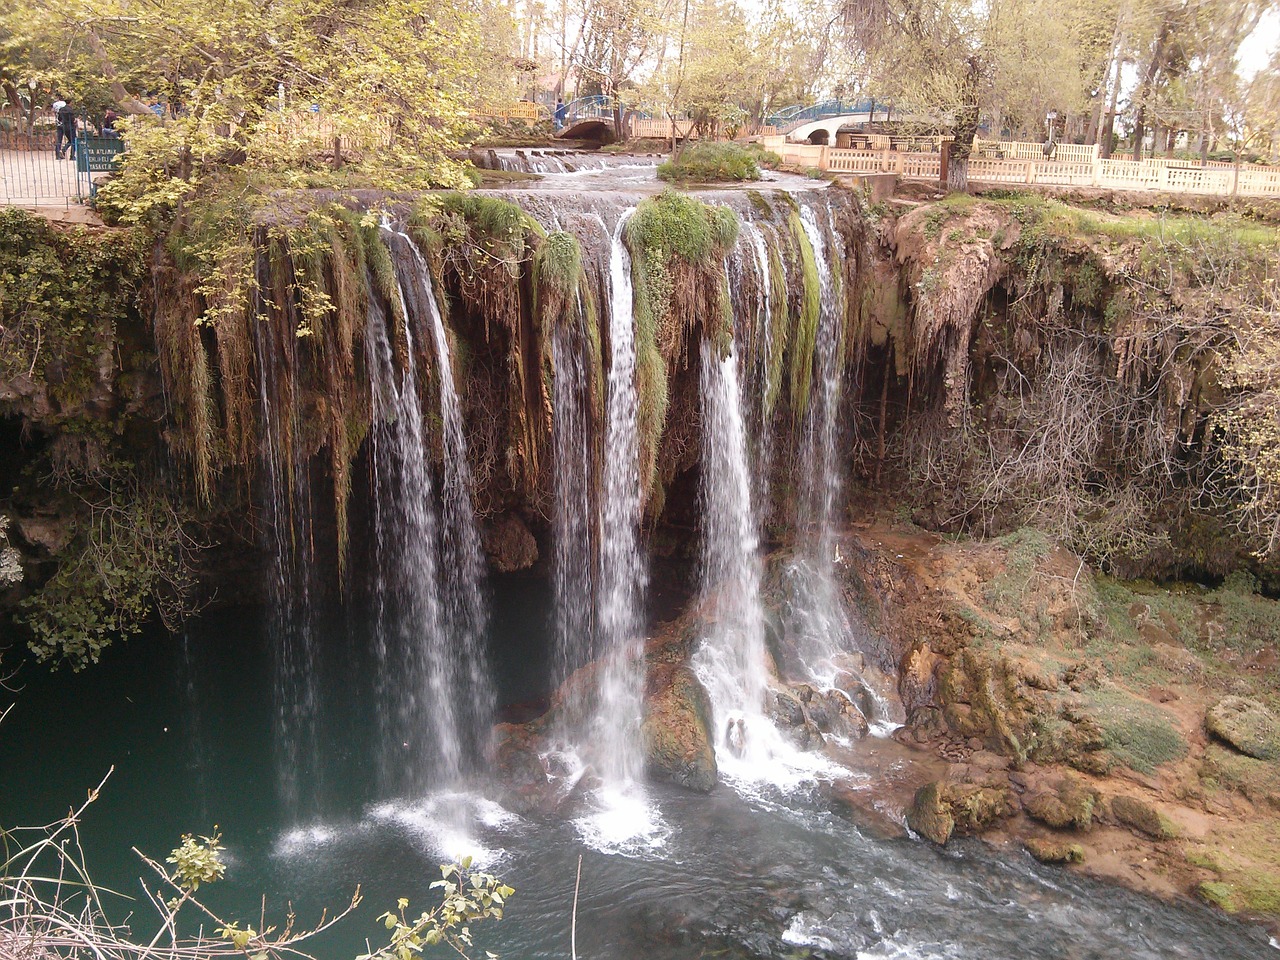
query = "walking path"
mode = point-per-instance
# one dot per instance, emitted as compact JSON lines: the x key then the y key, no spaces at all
{"x":36,"y":178}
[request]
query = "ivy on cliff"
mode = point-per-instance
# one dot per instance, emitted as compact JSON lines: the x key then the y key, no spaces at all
{"x":63,"y":292}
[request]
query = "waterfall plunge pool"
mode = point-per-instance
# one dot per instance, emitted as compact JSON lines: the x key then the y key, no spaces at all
{"x":186,"y":722}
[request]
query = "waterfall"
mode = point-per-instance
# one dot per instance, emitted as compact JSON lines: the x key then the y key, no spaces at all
{"x":816,"y":612}
{"x":291,"y":625}
{"x":732,"y":662}
{"x":763,"y":338}
{"x":623,"y":576}
{"x":822,"y":481}
{"x":574,"y":558}
{"x":429,"y":608}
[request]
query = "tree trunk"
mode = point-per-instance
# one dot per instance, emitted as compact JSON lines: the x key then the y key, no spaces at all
{"x":11,"y":94}
{"x":1144,"y":89}
{"x":966,"y":129}
{"x":1095,"y":117}
{"x":125,"y":100}
{"x":1109,"y":123}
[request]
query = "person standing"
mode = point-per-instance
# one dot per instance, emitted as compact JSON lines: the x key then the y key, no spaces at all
{"x":66,"y":129}
{"x":562,"y":113}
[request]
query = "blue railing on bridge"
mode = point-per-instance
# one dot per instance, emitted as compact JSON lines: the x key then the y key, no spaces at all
{"x":584,"y":108}
{"x":827,"y":108}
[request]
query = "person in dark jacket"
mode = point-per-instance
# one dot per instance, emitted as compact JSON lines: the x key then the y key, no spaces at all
{"x":66,"y":129}
{"x":109,"y":124}
{"x":561,"y":114}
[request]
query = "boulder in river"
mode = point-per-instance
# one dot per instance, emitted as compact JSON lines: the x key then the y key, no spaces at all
{"x":677,"y":733}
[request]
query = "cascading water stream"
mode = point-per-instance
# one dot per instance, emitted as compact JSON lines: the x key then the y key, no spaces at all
{"x":732,"y":662}
{"x":429,"y":602}
{"x":465,"y":605}
{"x":418,"y":721}
{"x":822,"y":480}
{"x":623,"y":577}
{"x":763,"y":318}
{"x":574,"y":556}
{"x":291,"y":624}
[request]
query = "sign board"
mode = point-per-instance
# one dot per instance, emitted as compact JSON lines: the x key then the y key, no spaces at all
{"x":97,"y":154}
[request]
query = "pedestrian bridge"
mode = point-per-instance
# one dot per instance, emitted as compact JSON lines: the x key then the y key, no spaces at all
{"x":825,"y":129}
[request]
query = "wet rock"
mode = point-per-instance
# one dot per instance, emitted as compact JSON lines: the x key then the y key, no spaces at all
{"x":1245,"y":724}
{"x":1054,"y":851}
{"x":835,"y":713}
{"x":509,"y":544}
{"x":1069,"y":804}
{"x":1143,"y":817}
{"x":49,"y":533}
{"x":942,"y":809}
{"x":677,"y":735}
{"x":930,"y":815}
{"x":918,"y":677}
{"x":861,"y":808}
{"x":518,"y":763}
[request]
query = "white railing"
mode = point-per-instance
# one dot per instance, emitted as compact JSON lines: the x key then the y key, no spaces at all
{"x":1218,"y":180}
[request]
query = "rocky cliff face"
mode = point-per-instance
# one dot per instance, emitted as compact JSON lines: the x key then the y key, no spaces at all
{"x":1006,"y":361}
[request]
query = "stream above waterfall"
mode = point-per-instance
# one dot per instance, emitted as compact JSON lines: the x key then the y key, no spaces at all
{"x":759,"y":873}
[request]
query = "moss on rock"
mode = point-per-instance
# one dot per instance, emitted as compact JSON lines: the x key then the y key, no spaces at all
{"x":1143,"y":817}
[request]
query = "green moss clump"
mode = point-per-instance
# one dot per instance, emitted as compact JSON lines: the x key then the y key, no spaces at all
{"x":1137,"y":733}
{"x":557,"y":266}
{"x":63,"y":292}
{"x":1217,"y":894}
{"x":676,"y":244}
{"x":779,"y":327}
{"x":712,"y":162}
{"x":1143,"y":817}
{"x":805,"y":323}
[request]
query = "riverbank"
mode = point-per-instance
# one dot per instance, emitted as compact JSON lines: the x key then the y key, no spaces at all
{"x":1062,"y":712}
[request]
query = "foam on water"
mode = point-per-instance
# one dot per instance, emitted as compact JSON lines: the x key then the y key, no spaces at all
{"x":623,"y":821}
{"x":450,"y":825}
{"x":301,"y":841}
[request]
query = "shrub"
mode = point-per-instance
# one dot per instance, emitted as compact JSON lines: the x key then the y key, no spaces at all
{"x":712,"y":163}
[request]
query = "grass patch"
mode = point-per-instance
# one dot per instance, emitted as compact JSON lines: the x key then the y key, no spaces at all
{"x":1137,"y":733}
{"x":712,"y":162}
{"x":1007,"y":593}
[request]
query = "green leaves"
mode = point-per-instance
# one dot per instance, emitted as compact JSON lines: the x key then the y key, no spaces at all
{"x":467,"y":896}
{"x":199,"y":861}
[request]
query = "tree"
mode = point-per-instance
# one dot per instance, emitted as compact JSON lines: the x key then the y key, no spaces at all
{"x":954,"y":60}
{"x":272,"y":87}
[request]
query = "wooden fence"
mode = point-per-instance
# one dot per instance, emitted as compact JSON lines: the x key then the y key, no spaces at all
{"x":524,"y":110}
{"x":1160,"y":174}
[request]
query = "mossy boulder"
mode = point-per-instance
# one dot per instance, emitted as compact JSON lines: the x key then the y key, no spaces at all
{"x":1143,"y":817}
{"x":1069,"y":804}
{"x":942,"y":809}
{"x":1245,"y":724}
{"x":930,"y":815}
{"x":1054,"y":851}
{"x":677,"y":731}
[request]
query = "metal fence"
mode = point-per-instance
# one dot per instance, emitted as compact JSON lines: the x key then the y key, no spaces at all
{"x":30,"y":172}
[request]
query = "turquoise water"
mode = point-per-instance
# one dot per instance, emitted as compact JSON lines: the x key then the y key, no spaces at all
{"x":185,"y":722}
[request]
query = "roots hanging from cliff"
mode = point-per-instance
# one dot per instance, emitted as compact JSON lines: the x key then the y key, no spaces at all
{"x":1065,"y":372}
{"x":677,"y":245}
